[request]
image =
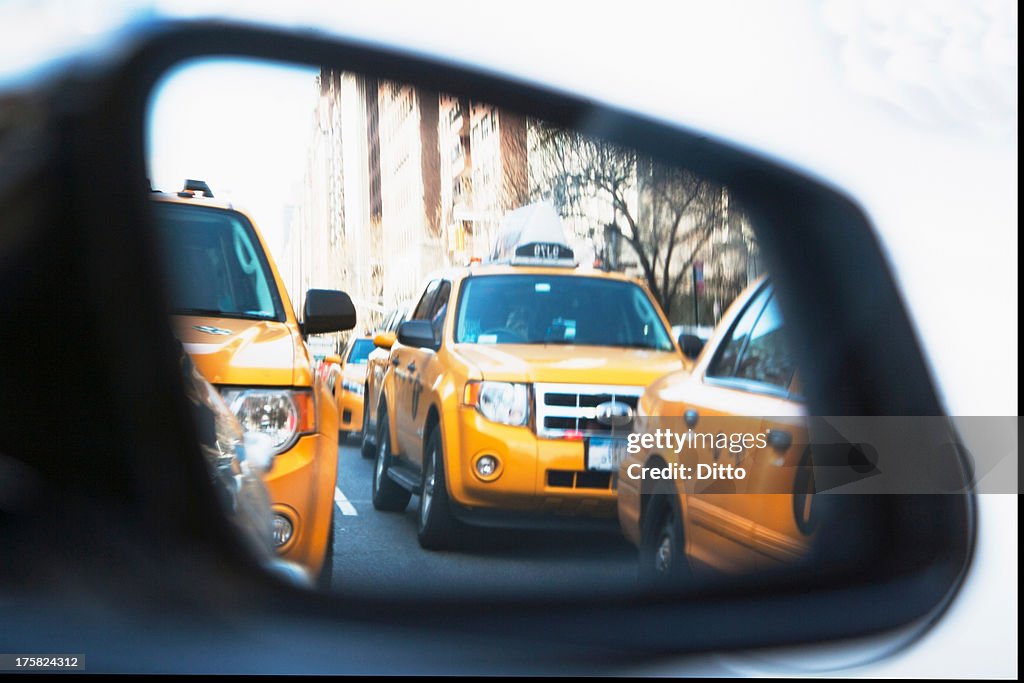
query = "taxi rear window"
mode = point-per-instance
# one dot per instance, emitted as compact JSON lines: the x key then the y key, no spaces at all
{"x":360,"y":352}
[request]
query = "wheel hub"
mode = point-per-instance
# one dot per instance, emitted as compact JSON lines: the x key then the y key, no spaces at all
{"x":428,"y":491}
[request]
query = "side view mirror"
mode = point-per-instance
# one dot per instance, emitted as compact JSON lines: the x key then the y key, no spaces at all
{"x":327,"y":310}
{"x":333,"y":358}
{"x":417,"y":333}
{"x":691,"y":345}
{"x":384,"y":340}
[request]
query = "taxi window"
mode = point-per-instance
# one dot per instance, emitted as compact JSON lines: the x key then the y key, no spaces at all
{"x":724,"y":365}
{"x":558,"y":309}
{"x":422,"y":311}
{"x":440,"y":308}
{"x":766,"y":358}
{"x":360,"y":352}
{"x":217,"y":264}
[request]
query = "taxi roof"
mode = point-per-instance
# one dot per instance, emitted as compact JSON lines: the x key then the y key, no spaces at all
{"x":475,"y":269}
{"x":196,"y":199}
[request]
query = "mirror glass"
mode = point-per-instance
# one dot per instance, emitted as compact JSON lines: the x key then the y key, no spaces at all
{"x":542,"y":448}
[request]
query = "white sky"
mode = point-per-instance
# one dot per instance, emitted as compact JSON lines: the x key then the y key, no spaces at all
{"x":241,"y":126}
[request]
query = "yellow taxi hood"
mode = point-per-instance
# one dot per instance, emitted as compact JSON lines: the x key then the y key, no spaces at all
{"x":244,"y":352}
{"x":565,"y":363}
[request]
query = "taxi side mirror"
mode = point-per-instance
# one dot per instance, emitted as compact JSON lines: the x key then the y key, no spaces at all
{"x":327,"y":310}
{"x":418,"y":333}
{"x":384,"y":340}
{"x":691,"y":345}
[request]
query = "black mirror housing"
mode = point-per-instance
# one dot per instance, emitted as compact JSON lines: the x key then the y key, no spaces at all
{"x":327,"y":310}
{"x":418,"y":333}
{"x":117,"y":443}
{"x":691,"y":345}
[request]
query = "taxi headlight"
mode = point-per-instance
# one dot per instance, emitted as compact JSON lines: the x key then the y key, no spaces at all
{"x":281,"y":414}
{"x":504,"y":402}
{"x":353,"y":387}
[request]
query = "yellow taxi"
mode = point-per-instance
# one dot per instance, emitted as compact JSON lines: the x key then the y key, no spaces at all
{"x":376,"y":363}
{"x":510,"y":389}
{"x":236,"y":322}
{"x":347,"y":381}
{"x":717,"y":476}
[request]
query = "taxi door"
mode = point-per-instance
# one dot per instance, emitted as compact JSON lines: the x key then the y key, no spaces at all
{"x":724,"y":410}
{"x":756,"y":367}
{"x":403,"y":370}
{"x":414,"y":369}
{"x":783,"y":523}
{"x":767,"y":368}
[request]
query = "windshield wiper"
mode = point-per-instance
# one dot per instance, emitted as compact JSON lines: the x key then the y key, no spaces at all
{"x":567,"y":342}
{"x":638,"y":345}
{"x":219,"y":313}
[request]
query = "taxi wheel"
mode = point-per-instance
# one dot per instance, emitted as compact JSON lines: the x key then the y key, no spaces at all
{"x":323,"y":581}
{"x":367,"y":450}
{"x":436,"y":528}
{"x":663,"y":560}
{"x":387,"y":495}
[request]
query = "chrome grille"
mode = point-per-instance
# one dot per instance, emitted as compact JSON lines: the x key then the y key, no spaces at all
{"x":565,"y":408}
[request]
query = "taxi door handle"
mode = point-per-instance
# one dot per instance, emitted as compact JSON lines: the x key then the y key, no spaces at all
{"x":411,"y":366}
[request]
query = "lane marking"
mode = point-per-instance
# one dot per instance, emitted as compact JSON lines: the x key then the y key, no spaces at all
{"x":345,"y":507}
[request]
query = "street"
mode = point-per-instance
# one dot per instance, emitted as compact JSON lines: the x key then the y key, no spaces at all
{"x":377,"y":553}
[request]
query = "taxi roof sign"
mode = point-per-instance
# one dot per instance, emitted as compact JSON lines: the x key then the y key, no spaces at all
{"x":533,"y":235}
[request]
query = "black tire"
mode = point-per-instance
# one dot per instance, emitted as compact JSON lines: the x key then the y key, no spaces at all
{"x":324,"y":579}
{"x":663,"y":561}
{"x":367,"y":449}
{"x":387,"y":495}
{"x":436,"y":527}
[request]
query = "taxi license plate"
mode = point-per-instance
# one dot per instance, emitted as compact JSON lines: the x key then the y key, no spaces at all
{"x":605,"y":454}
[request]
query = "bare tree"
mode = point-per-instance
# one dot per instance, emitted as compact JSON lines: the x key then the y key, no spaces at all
{"x":665,"y":213}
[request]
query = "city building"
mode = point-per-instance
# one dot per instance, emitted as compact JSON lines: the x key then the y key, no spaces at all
{"x":499,"y":171}
{"x":410,"y":180}
{"x":319,"y":218}
{"x":403,"y":181}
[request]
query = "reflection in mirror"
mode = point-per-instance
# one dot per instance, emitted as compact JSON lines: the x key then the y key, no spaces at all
{"x":538,"y":447}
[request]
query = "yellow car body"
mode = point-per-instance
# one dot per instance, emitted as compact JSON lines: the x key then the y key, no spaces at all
{"x":376,"y":365}
{"x":541,"y":476}
{"x":235,"y":353}
{"x":349,"y":384}
{"x":685,"y":525}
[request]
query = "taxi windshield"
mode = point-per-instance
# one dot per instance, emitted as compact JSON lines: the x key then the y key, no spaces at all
{"x":360,"y":352}
{"x":558,"y":309}
{"x":216,"y":264}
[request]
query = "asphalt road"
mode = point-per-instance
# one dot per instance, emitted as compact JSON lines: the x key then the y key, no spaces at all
{"x":377,"y":552}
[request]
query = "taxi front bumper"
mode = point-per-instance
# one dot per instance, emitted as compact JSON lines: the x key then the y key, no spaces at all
{"x":294,"y":484}
{"x":539,"y":482}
